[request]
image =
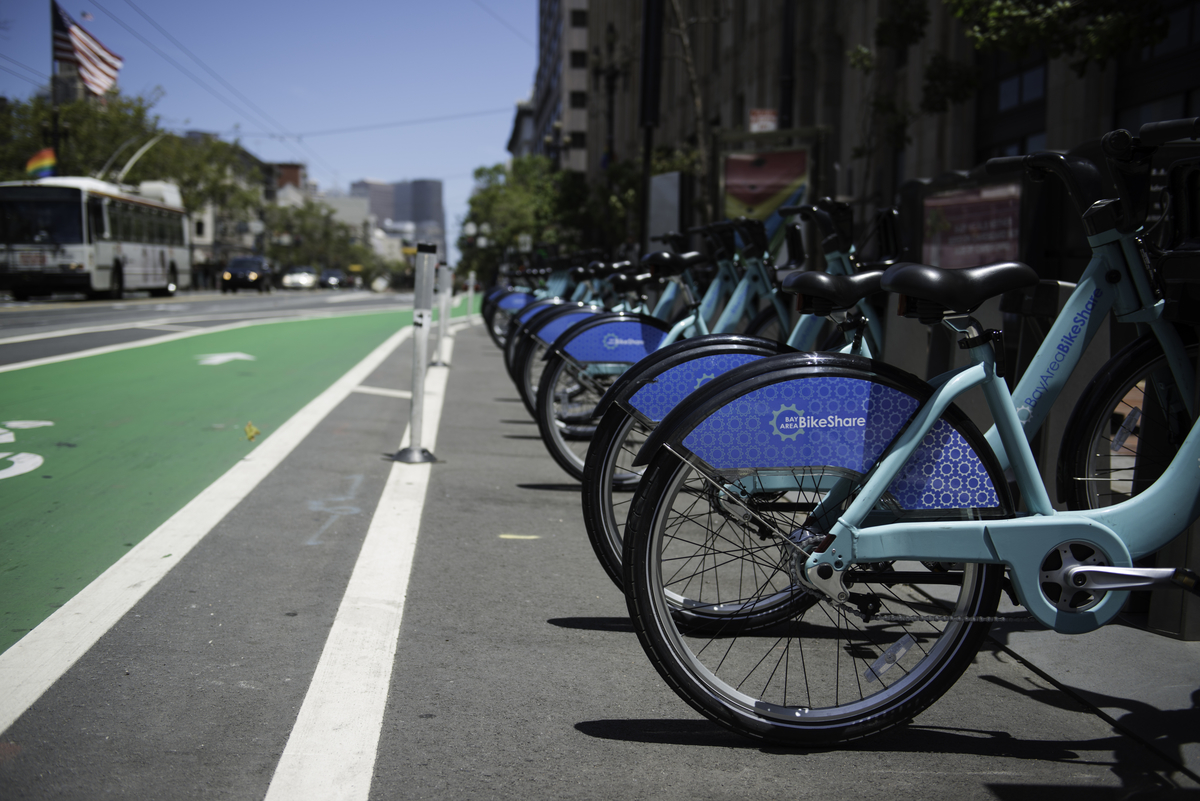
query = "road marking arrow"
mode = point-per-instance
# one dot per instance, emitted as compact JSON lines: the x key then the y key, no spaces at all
{"x":221,"y":358}
{"x":21,"y":463}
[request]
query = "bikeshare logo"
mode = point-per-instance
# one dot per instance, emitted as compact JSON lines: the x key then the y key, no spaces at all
{"x":789,"y":422}
{"x":612,"y":341}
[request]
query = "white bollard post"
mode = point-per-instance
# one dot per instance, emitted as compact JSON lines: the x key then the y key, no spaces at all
{"x":445,"y":293}
{"x":422,"y":320}
{"x":470,"y":294}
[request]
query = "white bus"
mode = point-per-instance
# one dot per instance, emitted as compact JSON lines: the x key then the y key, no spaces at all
{"x":84,"y":235}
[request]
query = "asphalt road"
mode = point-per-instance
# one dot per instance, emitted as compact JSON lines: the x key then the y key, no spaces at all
{"x":515,"y":673}
{"x":36,"y":330}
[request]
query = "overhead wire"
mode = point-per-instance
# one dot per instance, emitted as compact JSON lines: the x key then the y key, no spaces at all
{"x":41,"y":75}
{"x":263,"y":115}
{"x":505,"y":23}
{"x":239,"y":111}
{"x":19,"y":75}
{"x":399,"y":123}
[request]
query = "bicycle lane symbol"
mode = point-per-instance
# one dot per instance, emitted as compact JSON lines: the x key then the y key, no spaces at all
{"x":21,"y":463}
{"x":335,"y":512}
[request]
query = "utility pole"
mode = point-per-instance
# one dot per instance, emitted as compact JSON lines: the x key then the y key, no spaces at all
{"x":652,"y":35}
{"x":609,"y":70}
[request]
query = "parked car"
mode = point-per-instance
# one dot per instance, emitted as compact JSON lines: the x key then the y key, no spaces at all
{"x":334,"y":278}
{"x":300,"y":278}
{"x":247,"y":272}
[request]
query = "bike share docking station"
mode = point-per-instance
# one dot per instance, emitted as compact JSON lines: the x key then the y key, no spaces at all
{"x":422,"y":321}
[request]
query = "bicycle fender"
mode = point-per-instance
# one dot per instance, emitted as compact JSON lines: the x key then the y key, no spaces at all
{"x":653,"y":386}
{"x":610,"y":339}
{"x":549,"y":327}
{"x":802,"y":410}
{"x":515,"y":300}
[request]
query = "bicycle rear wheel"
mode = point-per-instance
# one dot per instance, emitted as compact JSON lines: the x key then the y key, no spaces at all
{"x":785,"y":665}
{"x":609,"y":479}
{"x":567,"y":395}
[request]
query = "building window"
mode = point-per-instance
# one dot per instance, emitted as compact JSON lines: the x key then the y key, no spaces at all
{"x":199,"y":227}
{"x":579,"y":18}
{"x":1023,"y":88}
{"x":578,"y":99}
{"x":578,"y":140}
{"x":579,"y":59}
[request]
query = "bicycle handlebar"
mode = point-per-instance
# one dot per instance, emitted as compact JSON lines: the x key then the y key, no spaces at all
{"x":1004,"y":165}
{"x":1080,"y":176}
{"x":1153,"y":134}
{"x":836,"y":221}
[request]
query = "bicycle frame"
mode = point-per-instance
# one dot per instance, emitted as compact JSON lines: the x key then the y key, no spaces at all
{"x":754,"y":285}
{"x":1129,"y":297}
{"x":1124,"y":532}
{"x":804,"y":333}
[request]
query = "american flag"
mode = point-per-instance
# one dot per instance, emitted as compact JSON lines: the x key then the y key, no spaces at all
{"x":97,"y":64}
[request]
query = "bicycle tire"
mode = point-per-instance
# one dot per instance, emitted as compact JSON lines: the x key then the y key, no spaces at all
{"x":620,"y":432}
{"x":817,"y":674}
{"x":608,"y":471}
{"x":565,"y":401}
{"x":528,"y":364}
{"x":1104,"y":459}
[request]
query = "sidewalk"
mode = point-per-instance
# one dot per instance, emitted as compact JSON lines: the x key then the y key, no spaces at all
{"x":1145,"y":685}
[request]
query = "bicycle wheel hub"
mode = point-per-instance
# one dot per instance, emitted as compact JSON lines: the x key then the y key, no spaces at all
{"x":1058,"y":589}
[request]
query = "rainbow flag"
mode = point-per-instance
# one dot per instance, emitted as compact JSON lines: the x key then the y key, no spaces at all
{"x":42,"y":164}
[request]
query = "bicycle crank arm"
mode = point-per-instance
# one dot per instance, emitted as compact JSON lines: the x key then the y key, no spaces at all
{"x":1097,"y":578}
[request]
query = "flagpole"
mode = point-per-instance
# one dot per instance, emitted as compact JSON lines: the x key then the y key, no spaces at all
{"x":54,"y":85}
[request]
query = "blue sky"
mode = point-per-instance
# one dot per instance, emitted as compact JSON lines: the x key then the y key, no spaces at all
{"x":313,"y":67}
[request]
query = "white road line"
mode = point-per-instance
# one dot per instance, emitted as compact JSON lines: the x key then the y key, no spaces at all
{"x":387,"y":393}
{"x":167,"y":327}
{"x":331,"y":751}
{"x":269,"y":316}
{"x":37,"y":660}
{"x":144,"y":343}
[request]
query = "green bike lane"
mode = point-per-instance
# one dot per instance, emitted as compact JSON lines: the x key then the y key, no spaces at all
{"x":138,"y":433}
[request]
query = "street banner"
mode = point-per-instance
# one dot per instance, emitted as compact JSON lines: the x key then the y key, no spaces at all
{"x":757,"y":184}
{"x":966,"y":227}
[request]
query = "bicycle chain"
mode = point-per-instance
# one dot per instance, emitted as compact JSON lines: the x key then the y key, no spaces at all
{"x":929,"y":618}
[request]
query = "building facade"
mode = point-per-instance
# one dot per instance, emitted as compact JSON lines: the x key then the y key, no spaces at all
{"x":732,"y":63}
{"x":561,"y":85}
{"x":380,"y":196}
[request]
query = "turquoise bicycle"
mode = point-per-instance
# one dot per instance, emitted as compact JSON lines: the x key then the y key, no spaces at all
{"x":820,"y":542}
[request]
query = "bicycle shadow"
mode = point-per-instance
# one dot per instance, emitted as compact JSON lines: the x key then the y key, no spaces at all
{"x":551,"y":487}
{"x":621,"y":624}
{"x":1145,"y":727}
{"x":1139,"y":766}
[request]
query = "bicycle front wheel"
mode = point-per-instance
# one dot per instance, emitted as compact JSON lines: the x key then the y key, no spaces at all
{"x":717,"y":606}
{"x":1125,"y":429}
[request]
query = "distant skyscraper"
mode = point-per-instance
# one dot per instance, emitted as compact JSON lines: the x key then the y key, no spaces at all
{"x":381,"y":196}
{"x":415,"y":206}
{"x":402,"y":199}
{"x":427,"y":202}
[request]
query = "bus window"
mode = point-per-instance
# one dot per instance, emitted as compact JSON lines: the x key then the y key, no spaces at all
{"x":39,"y":217}
{"x":95,"y":219}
